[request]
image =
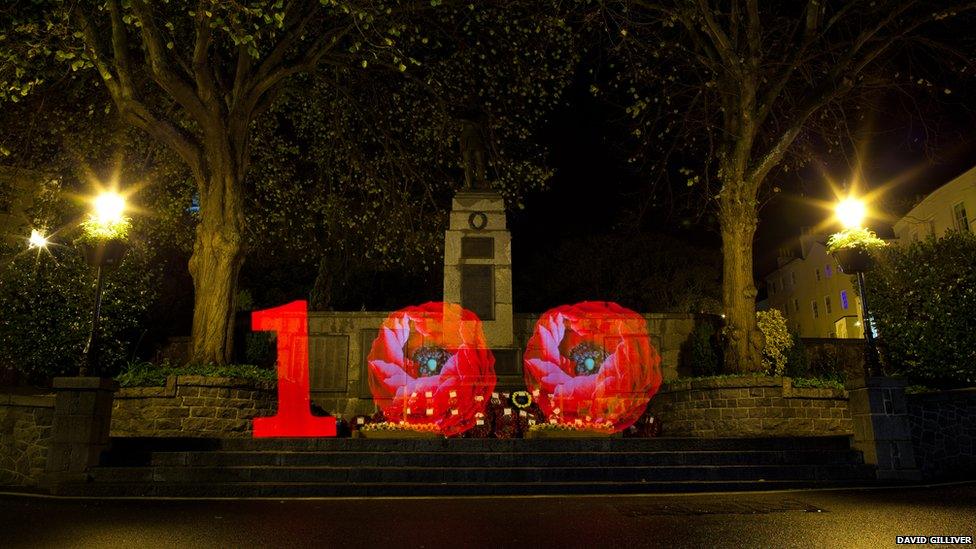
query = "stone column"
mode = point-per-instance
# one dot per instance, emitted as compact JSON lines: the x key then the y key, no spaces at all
{"x":881,"y":430}
{"x":82,"y":417}
{"x":478,"y":274}
{"x":478,"y":262}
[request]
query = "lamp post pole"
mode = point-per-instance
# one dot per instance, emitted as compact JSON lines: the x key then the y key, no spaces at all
{"x":90,"y":364}
{"x":872,"y":364}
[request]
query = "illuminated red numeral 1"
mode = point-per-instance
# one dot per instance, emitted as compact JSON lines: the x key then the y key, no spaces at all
{"x":294,"y":417}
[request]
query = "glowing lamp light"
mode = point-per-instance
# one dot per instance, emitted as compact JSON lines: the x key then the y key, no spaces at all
{"x":37,"y":240}
{"x":109,"y":207}
{"x":850,"y":212}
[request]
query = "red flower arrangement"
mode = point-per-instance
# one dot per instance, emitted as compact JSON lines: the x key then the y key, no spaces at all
{"x":592,"y":362}
{"x":431,"y":364}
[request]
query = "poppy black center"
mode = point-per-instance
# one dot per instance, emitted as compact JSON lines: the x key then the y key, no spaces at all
{"x":587,"y":358}
{"x":430,"y":360}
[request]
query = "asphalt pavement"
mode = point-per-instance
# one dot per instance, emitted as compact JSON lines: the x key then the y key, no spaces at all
{"x":819,"y":518}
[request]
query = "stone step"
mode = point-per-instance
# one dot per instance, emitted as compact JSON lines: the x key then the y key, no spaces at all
{"x":498,"y":459}
{"x":145,"y":446}
{"x":308,"y":489}
{"x":449,"y":475}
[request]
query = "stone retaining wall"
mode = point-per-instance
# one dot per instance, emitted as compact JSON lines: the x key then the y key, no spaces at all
{"x":192,"y":406}
{"x":25,"y":437}
{"x":943,"y":428}
{"x":748,"y":407}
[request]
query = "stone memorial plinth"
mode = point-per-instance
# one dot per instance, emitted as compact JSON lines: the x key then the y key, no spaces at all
{"x":478,"y":263}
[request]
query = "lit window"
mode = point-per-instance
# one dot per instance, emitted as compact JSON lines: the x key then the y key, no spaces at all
{"x":959,"y":217}
{"x":816,"y":311}
{"x":827,"y":307}
{"x":828,"y":270}
{"x":843,"y":299}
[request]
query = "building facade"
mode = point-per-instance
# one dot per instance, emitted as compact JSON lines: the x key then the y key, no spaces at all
{"x":950,"y":207}
{"x":808,"y":287}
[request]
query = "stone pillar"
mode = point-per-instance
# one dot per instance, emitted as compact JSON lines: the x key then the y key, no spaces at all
{"x":478,"y":262}
{"x":478,"y":275}
{"x":881,"y":430}
{"x":82,"y":417}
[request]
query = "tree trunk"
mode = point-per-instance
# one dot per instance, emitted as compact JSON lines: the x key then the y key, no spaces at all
{"x":215,"y":264}
{"x":743,"y":340}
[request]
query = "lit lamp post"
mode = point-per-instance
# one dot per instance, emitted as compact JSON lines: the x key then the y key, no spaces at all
{"x":103,"y":247}
{"x":851,"y":249}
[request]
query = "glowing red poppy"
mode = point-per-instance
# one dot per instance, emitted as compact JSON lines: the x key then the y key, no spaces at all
{"x":430,"y":364}
{"x":592,"y":363}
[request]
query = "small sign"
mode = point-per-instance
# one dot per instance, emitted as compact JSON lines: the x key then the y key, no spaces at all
{"x":479,"y":422}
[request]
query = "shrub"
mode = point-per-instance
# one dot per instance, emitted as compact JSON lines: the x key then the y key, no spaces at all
{"x":778,"y":340}
{"x":702,"y":350}
{"x":46,"y":299}
{"x":923,"y":299}
{"x":797,"y":363}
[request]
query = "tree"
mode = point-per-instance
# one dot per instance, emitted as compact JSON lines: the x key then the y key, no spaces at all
{"x":746,"y":88}
{"x":197,"y":76}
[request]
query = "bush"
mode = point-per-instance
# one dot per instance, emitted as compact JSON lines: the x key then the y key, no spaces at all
{"x":46,"y":299}
{"x":147,"y":374}
{"x":703,"y":351}
{"x":797,"y":363}
{"x":778,"y":340}
{"x":923,"y":298}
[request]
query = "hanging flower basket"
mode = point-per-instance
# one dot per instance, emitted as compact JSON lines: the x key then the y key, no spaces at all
{"x":103,"y":253}
{"x":854,"y":260}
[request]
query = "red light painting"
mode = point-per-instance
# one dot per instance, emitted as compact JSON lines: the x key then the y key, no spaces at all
{"x":294,"y":417}
{"x":430,"y":364}
{"x":592,"y":364}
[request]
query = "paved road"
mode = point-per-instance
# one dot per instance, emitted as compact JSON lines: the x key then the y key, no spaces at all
{"x":849,"y":518}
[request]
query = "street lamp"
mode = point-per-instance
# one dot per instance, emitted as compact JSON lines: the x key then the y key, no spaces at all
{"x":36,"y":240}
{"x":850,"y":248}
{"x":103,"y":246}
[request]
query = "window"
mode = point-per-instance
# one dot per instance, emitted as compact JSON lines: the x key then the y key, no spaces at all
{"x":827,"y":308}
{"x":816,"y":311}
{"x":828,"y":270}
{"x":796,"y":305}
{"x":959,"y":217}
{"x":817,"y":272}
{"x":843,"y":299}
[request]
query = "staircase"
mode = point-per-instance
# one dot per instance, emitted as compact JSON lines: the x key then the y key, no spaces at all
{"x":439,"y":467}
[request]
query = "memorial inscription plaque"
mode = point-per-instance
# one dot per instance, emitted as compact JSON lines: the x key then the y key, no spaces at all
{"x":478,"y":290}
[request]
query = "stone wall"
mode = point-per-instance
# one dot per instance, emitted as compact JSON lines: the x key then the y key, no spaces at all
{"x":339,"y":342}
{"x":943,"y":430}
{"x":749,"y":406}
{"x":192,"y":406}
{"x":25,"y":437}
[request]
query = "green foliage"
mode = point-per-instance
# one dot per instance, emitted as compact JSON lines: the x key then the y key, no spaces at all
{"x":147,"y":374}
{"x":93,"y":230}
{"x":797,"y":363}
{"x":46,"y":299}
{"x":817,"y":383}
{"x":778,"y":340}
{"x":923,"y":299}
{"x":854,"y":238}
{"x":703,"y":351}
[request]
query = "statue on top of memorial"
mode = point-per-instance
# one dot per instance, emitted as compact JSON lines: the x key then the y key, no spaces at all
{"x":474,"y":145}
